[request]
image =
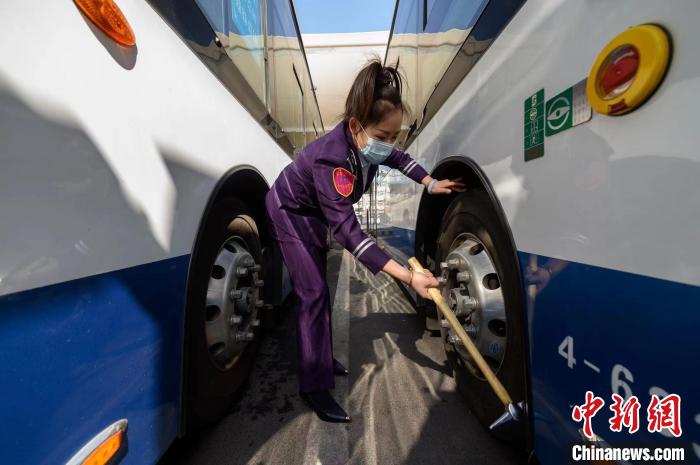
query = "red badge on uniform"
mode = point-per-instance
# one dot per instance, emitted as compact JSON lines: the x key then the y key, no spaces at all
{"x":344,"y":181}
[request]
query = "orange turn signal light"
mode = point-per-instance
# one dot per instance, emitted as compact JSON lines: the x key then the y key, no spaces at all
{"x":107,"y":16}
{"x":105,"y":451}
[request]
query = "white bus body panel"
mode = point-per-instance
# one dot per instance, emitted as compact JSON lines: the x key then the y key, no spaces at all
{"x":616,"y":192}
{"x":106,"y":167}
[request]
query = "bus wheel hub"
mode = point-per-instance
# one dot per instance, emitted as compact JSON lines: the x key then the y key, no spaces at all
{"x":233,"y":301}
{"x":472,"y":288}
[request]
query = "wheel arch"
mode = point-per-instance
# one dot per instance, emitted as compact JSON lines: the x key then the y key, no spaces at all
{"x":246,"y":183}
{"x":432,"y":208}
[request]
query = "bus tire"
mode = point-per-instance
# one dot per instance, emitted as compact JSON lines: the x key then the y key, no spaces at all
{"x":214,"y":383}
{"x":472,"y":215}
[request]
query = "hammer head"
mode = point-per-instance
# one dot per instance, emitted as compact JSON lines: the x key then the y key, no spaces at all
{"x":515,"y":413}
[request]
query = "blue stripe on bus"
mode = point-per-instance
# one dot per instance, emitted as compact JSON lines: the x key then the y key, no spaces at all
{"x":79,"y":355}
{"x":627,"y":329}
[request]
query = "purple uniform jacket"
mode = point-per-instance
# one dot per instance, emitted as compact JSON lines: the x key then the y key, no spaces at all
{"x":305,"y":201}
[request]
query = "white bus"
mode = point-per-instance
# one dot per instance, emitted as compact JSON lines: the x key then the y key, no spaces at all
{"x":572,"y":259}
{"x":137,"y":141}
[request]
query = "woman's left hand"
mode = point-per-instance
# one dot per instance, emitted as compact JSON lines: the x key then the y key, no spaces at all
{"x":446,"y":186}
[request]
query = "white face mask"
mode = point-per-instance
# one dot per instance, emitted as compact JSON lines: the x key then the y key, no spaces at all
{"x":376,"y":151}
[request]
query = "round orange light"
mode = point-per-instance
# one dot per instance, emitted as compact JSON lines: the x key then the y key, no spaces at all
{"x":107,"y":16}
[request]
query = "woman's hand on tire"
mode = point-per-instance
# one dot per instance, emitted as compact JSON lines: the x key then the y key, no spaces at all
{"x":422,"y":282}
{"x":447,"y":186}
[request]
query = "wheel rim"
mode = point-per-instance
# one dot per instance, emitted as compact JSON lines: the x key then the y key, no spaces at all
{"x":233,"y":302}
{"x":472,"y":288}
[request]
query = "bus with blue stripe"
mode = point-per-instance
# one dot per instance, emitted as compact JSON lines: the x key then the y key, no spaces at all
{"x":571,"y":260}
{"x":136,"y":272}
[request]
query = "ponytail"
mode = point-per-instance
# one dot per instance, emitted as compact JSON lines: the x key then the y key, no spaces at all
{"x":375,"y":92}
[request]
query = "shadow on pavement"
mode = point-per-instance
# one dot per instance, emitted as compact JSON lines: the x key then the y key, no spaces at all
{"x":400,"y":393}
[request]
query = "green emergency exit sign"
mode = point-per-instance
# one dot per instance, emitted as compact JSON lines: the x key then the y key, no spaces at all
{"x":567,"y":109}
{"x":534,"y":126}
{"x":559,"y":112}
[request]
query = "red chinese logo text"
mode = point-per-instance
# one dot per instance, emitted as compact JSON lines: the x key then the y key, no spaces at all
{"x":625,"y":413}
{"x":665,"y":414}
{"x":587,"y":411}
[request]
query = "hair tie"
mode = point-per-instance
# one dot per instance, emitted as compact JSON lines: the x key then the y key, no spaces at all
{"x":384,"y":78}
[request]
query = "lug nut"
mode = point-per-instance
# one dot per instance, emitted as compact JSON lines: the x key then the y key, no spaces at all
{"x":443,"y":266}
{"x":259,"y":283}
{"x":470,"y":330}
{"x":241,"y":272}
{"x":444,"y":323}
{"x":256,"y":267}
{"x":454,"y":340}
{"x":453,"y":263}
{"x":244,"y":336}
{"x":234,"y":320}
{"x":441,"y":280}
{"x":259,"y":304}
{"x":255,"y":323}
{"x":235,"y":294}
{"x":466,"y":305}
{"x":248,"y":261}
{"x":463,"y":277}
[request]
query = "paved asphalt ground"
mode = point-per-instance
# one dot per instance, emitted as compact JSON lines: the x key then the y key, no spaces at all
{"x":402,"y":399}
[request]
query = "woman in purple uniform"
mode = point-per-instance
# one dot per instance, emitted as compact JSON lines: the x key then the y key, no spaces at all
{"x":316,"y":192}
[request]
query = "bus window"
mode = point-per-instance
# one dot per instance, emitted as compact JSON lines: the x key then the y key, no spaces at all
{"x":296,"y":113}
{"x":238,"y":26}
{"x":292,"y":99}
{"x":424,"y":41}
{"x":255,"y":49}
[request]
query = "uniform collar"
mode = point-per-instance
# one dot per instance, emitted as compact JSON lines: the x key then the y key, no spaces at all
{"x":344,"y":128}
{"x":356,"y":162}
{"x":348,"y":135}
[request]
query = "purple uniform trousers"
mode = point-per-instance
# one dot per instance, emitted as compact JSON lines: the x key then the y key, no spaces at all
{"x":307,"y":271}
{"x":313,"y":194}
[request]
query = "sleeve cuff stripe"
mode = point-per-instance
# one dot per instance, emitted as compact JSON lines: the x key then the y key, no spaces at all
{"x":410,"y":166}
{"x":364,"y":249}
{"x":359,"y":246}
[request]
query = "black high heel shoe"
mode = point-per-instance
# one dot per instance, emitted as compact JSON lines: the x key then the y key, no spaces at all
{"x":325,"y":406}
{"x":339,"y":369}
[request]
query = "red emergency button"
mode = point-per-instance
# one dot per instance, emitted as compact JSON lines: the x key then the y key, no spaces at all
{"x":618,"y":73}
